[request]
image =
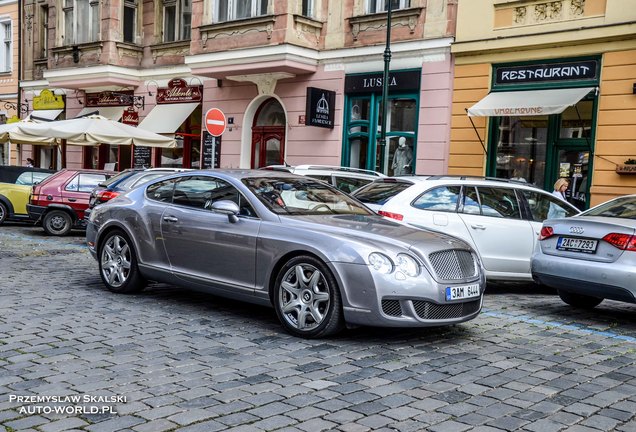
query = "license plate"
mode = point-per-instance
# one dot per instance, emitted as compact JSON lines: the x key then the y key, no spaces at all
{"x":462,"y":292}
{"x":577,"y":245}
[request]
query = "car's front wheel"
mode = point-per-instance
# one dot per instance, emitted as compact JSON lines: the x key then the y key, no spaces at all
{"x":118,"y":264}
{"x":4,"y":212}
{"x":57,"y":222}
{"x":579,"y":300}
{"x":307,"y":298}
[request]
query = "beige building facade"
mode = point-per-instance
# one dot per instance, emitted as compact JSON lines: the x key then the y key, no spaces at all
{"x":547,"y":89}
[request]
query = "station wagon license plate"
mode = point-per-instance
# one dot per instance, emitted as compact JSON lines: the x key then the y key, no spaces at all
{"x":462,"y":292}
{"x":577,"y":245}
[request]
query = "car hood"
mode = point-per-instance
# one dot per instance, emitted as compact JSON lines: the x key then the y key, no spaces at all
{"x":377,"y":230}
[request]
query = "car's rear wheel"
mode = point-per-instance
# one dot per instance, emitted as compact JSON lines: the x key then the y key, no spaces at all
{"x":57,"y":222}
{"x":118,"y":264}
{"x":579,"y":300}
{"x":307,"y":298}
{"x":4,"y":212}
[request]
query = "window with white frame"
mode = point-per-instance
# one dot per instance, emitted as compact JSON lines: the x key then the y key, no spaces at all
{"x":177,"y":20}
{"x":230,"y":10}
{"x":308,"y":8}
{"x":130,"y":21}
{"x":376,"y":6}
{"x":5,"y":61}
{"x":81,"y":21}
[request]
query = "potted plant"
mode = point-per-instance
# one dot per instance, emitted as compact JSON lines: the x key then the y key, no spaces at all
{"x":627,"y":167}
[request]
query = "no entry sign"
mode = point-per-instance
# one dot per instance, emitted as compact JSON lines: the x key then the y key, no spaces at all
{"x":215,"y":122}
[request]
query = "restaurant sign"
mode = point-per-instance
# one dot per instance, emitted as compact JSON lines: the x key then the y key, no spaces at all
{"x":130,"y":117}
{"x":178,"y":91}
{"x":320,"y":107}
{"x":107,"y":98}
{"x":586,"y":70}
{"x":47,"y":100}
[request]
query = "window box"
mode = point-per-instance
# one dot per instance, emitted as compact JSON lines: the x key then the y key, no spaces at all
{"x":625,"y":169}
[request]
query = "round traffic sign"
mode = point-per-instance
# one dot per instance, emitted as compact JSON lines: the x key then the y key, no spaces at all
{"x":215,"y":122}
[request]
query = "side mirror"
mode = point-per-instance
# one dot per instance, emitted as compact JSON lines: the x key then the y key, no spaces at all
{"x":227,"y":207}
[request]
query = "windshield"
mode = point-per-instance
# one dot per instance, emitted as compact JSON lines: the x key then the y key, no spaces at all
{"x":302,"y":196}
{"x":380,"y":192}
{"x":624,"y":208}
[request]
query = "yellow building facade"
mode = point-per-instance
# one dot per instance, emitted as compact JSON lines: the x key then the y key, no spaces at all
{"x":547,"y":89}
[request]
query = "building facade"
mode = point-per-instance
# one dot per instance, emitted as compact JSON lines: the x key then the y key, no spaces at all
{"x":299,"y":81}
{"x":9,"y":69}
{"x":547,"y":89}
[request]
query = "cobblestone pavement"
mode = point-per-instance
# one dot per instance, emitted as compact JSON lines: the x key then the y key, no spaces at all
{"x":168,"y":359}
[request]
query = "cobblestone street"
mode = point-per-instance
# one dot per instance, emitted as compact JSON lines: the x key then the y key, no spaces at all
{"x":169,"y":359}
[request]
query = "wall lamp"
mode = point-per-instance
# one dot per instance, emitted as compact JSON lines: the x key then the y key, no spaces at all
{"x":148,"y":86}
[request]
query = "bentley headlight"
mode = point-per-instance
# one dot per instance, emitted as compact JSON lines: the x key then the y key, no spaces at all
{"x":381,"y":262}
{"x":407,"y":265}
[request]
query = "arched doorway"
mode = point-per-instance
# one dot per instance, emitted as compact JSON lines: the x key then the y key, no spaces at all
{"x":268,"y":134}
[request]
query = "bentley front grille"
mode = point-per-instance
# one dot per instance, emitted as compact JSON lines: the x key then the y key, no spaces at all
{"x":454,"y":264}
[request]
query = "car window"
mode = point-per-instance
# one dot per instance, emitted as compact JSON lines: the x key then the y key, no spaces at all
{"x":470,"y":203}
{"x":39,"y":177}
{"x":379,"y":193}
{"x":349,"y":184}
{"x":325,"y":178}
{"x":545,"y":206}
{"x":161,"y":191}
{"x":138,"y":180}
{"x":443,"y":198}
{"x":202,"y":191}
{"x":26,"y":178}
{"x":499,"y":202}
{"x":84,"y":182}
{"x":621,"y":208}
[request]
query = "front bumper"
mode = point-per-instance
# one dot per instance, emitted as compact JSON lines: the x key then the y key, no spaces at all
{"x":374,"y":299}
{"x":91,"y":238}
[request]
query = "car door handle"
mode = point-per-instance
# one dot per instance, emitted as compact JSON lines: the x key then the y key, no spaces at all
{"x":72,"y":199}
{"x":479,"y":227}
{"x":170,"y":219}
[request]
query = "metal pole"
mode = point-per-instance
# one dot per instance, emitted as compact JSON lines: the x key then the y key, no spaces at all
{"x":385,"y":88}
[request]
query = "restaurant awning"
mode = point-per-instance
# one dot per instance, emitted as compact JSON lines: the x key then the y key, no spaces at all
{"x":166,"y":119}
{"x":111,"y":113}
{"x":528,"y":103}
{"x":46,"y":115}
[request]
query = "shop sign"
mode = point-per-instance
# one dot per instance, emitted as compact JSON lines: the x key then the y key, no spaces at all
{"x":48,"y":101}
{"x":106,"y":98}
{"x":130,"y":117}
{"x":178,"y":91}
{"x":320,"y":107}
{"x":547,"y":72}
{"x":373,"y":83}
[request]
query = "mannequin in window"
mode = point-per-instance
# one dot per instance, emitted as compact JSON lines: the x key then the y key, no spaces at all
{"x":402,"y":158}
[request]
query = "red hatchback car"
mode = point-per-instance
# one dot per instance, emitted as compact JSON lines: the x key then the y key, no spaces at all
{"x":60,"y":200}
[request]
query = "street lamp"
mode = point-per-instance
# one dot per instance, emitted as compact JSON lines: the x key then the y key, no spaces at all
{"x":385,"y":86}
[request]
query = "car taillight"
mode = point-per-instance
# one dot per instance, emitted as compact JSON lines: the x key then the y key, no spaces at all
{"x":546,"y":232}
{"x":621,"y":241}
{"x":395,"y":216}
{"x":104,"y":196}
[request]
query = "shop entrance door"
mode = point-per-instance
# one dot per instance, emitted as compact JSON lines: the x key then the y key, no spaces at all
{"x":268,"y":135}
{"x":573,"y":164}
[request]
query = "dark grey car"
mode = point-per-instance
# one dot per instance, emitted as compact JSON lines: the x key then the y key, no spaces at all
{"x":318,"y":256}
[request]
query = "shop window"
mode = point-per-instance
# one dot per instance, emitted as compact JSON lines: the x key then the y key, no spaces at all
{"x":177,"y":20}
{"x":230,"y":10}
{"x":81,"y":21}
{"x":576,"y":121}
{"x":376,"y":6}
{"x":5,"y":59}
{"x":130,"y":21}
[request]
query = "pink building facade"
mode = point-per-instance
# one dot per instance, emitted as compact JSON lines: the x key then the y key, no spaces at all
{"x":299,"y":81}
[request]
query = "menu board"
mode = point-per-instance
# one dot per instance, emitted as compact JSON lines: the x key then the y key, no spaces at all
{"x":142,"y":157}
{"x":211,"y":151}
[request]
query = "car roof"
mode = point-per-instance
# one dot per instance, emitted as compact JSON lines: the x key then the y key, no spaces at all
{"x":444,"y":179}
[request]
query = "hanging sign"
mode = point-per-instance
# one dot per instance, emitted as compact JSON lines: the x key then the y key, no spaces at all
{"x":130,"y":117}
{"x":320,"y":107}
{"x":48,"y":101}
{"x":178,"y":91}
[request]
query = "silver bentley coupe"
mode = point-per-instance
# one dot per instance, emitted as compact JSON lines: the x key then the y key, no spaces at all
{"x":318,"y":256}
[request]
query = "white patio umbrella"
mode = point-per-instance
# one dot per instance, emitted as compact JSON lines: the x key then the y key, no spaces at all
{"x":7,"y":129}
{"x":92,"y":130}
